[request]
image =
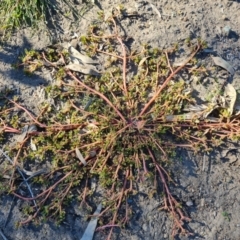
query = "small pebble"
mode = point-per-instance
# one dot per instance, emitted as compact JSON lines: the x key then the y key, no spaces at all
{"x":226,"y":31}
{"x":189,"y":203}
{"x":224,"y":17}
{"x":202,"y":202}
{"x":144,"y":227}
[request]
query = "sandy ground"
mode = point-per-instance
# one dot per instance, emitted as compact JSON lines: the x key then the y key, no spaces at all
{"x":208,"y":184}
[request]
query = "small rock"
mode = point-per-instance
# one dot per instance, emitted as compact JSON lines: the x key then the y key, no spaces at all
{"x":202,"y":202}
{"x":189,"y":203}
{"x":144,"y":227}
{"x":226,"y":31}
{"x":224,"y":17}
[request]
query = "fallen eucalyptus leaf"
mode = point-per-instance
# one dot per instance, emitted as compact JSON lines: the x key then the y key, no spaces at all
{"x":195,"y":108}
{"x":23,"y":134}
{"x":156,"y":10}
{"x":89,"y":232}
{"x":25,"y":130}
{"x":83,"y":58}
{"x":107,"y":14}
{"x":33,"y":145}
{"x":231,"y":95}
{"x":237,"y":110}
{"x":85,"y":69}
{"x":80,"y":157}
{"x":74,"y":60}
{"x":225,"y":152}
{"x":142,"y":61}
{"x":202,"y":110}
{"x":32,"y":128}
{"x":224,"y":64}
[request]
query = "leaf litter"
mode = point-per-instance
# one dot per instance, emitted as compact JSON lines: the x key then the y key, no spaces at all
{"x":224,"y":64}
{"x":89,"y":232}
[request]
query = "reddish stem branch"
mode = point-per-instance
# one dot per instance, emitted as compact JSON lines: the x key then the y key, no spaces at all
{"x":171,"y":204}
{"x":98,"y":94}
{"x":167,"y":81}
{"x":43,"y":193}
{"x":119,"y":203}
{"x":124,"y":58}
{"x":28,"y":113}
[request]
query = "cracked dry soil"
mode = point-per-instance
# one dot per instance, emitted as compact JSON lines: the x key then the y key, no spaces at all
{"x":207,"y":184}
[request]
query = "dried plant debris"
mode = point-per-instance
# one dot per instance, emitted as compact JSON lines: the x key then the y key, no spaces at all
{"x":224,"y":64}
{"x":89,"y":232}
{"x":86,"y":69}
{"x":26,"y":130}
{"x":83,"y":59}
{"x":230,"y":95}
{"x":80,"y":157}
{"x":155,"y":10}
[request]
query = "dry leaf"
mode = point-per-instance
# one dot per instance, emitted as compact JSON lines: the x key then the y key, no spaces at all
{"x":224,"y":64}
{"x":32,"y":128}
{"x":231,"y":96}
{"x":195,"y":108}
{"x":142,"y":61}
{"x":89,"y":232}
{"x":156,"y":10}
{"x":83,"y":58}
{"x":33,"y":145}
{"x":108,"y":14}
{"x":85,"y":69}
{"x":237,"y":110}
{"x":80,"y":157}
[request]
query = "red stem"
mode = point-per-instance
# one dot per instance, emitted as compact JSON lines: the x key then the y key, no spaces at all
{"x":97,"y":93}
{"x":166,"y":82}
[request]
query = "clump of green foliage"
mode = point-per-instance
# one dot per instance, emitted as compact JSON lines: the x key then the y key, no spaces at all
{"x":14,"y":14}
{"x":28,"y":13}
{"x":114,"y":128}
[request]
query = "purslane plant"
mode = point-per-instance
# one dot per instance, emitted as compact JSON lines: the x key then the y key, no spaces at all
{"x":113,"y":127}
